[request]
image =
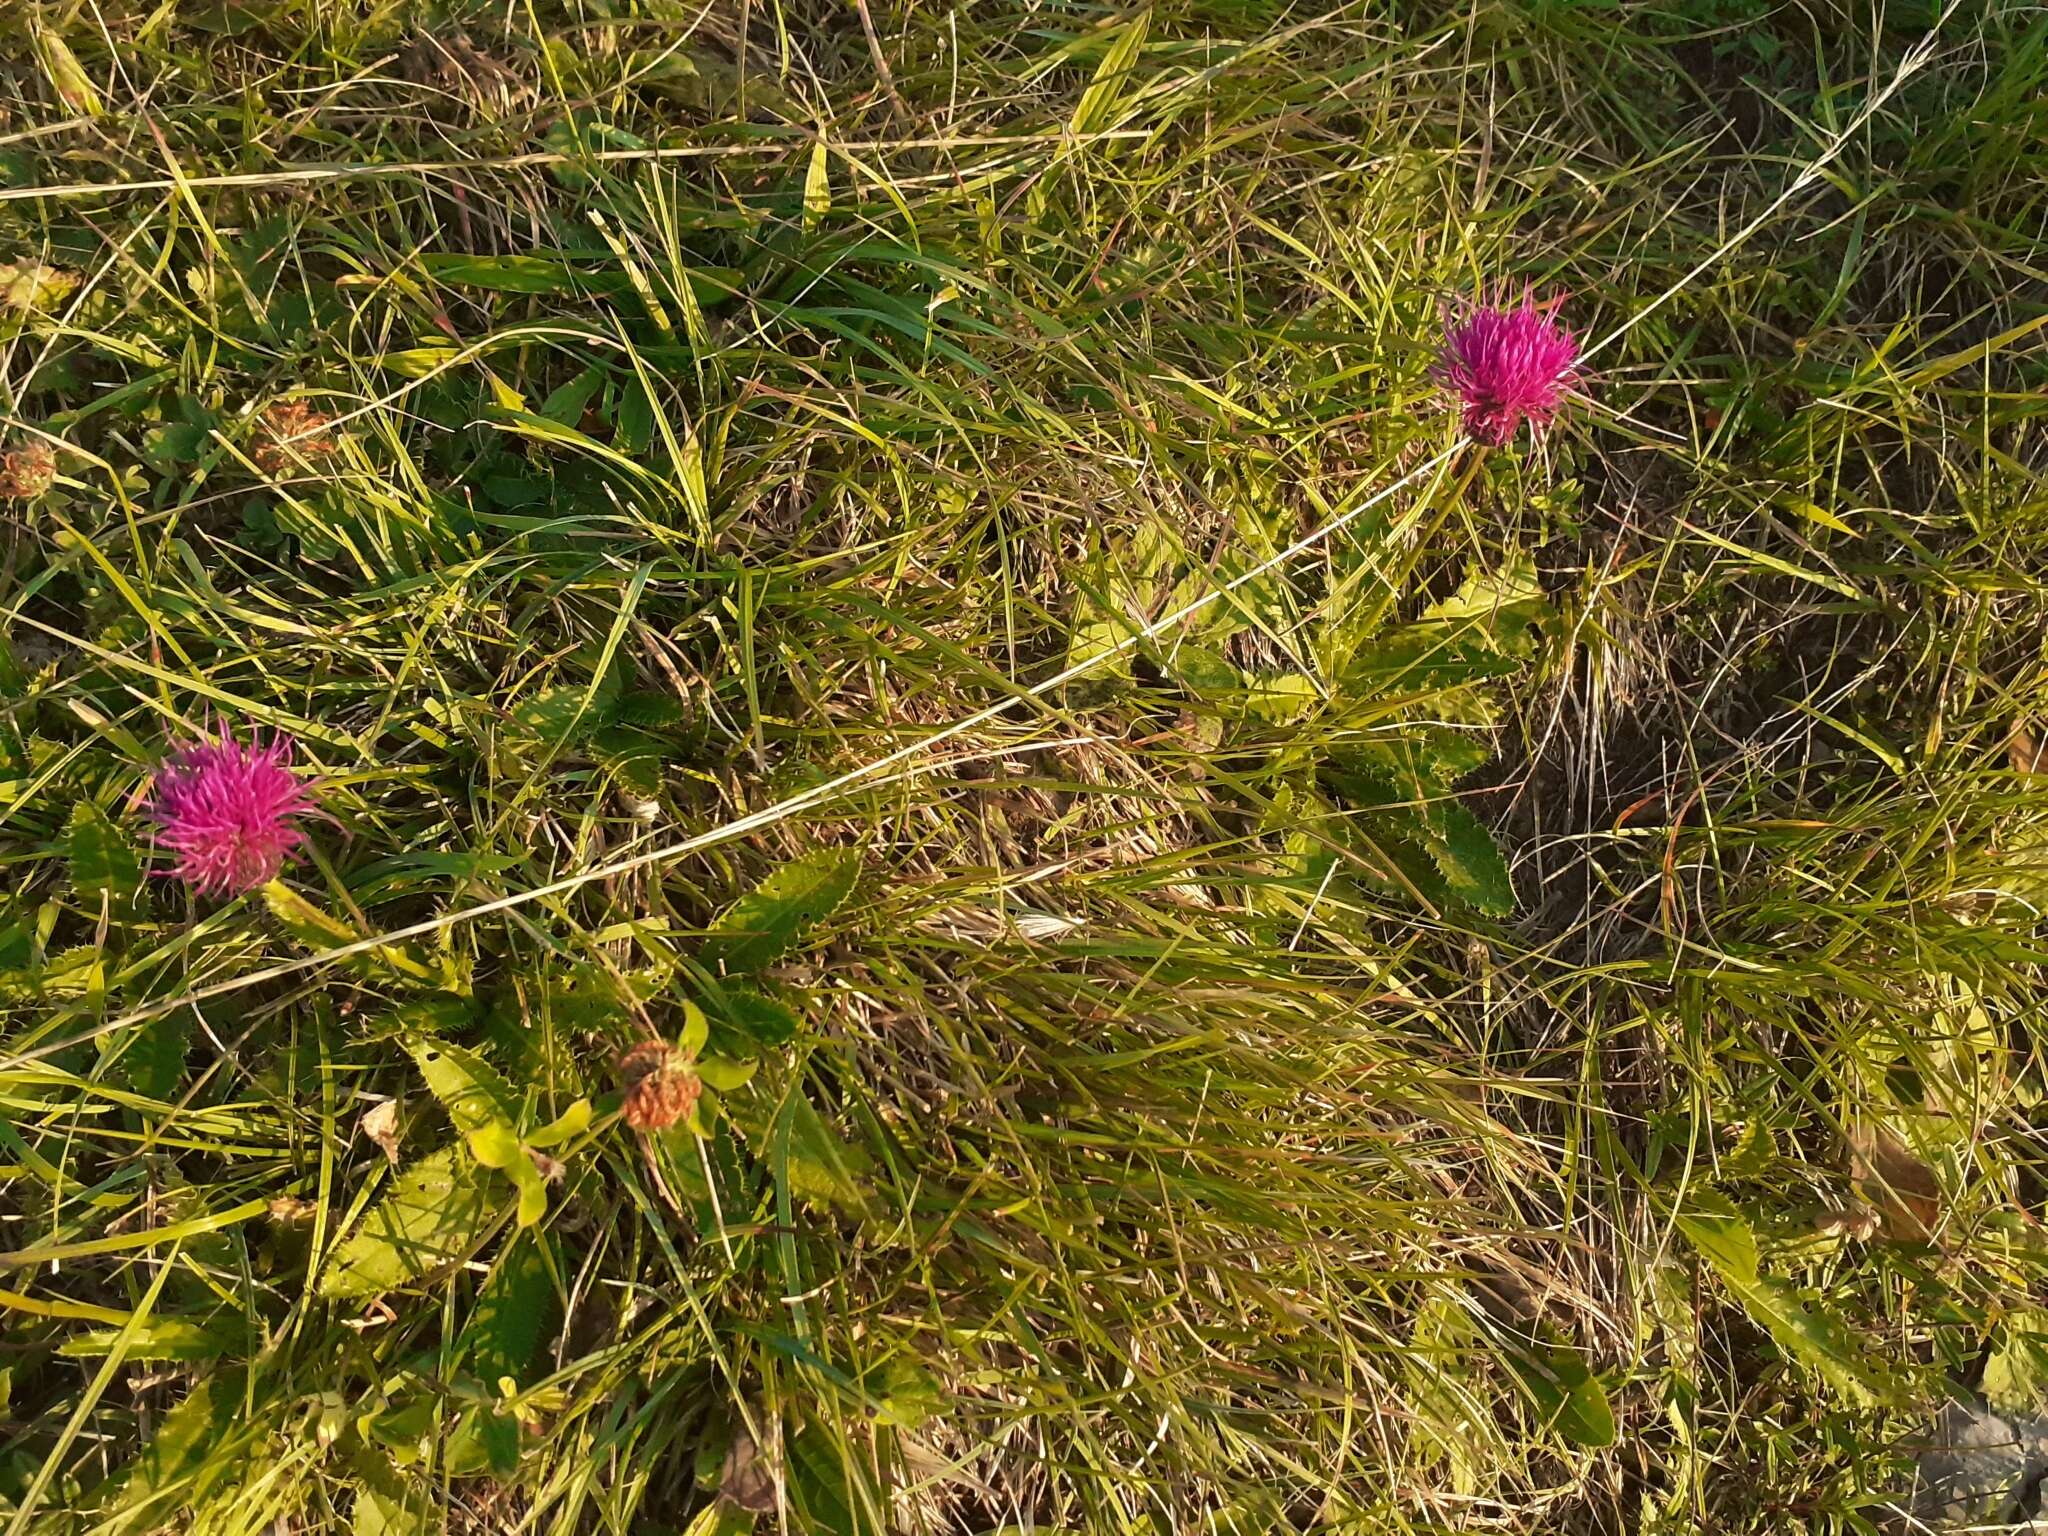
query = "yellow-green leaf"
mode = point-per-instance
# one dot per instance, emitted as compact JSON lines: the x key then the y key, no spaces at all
{"x":435,"y":1213}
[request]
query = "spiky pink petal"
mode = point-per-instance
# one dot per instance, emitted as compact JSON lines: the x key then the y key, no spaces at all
{"x":229,"y":811}
{"x":1507,"y":364}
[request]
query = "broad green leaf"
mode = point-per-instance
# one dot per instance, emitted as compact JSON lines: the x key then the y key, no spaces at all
{"x":1712,"y":1224}
{"x":469,"y":1087}
{"x":103,"y":861}
{"x":767,"y":920}
{"x":30,"y":285}
{"x":511,"y":1315}
{"x":910,"y":1395}
{"x":154,"y":1062}
{"x":1250,"y":1512}
{"x":818,"y":1476}
{"x":516,"y":274}
{"x":696,"y":1030}
{"x":566,"y":404}
{"x":566,"y":1126}
{"x":496,"y":1145}
{"x":1566,"y":1393}
{"x":432,"y":1216}
{"x":762,"y":1020}
{"x":723,"y":1075}
{"x":1805,"y":1328}
{"x":2016,"y":1373}
{"x":385,"y":1504}
{"x":1470,"y":861}
{"x":580,"y":137}
{"x":721,"y":1517}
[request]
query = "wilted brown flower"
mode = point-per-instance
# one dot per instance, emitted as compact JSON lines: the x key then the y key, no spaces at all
{"x":660,"y":1090}
{"x":287,"y":429}
{"x":25,"y":473}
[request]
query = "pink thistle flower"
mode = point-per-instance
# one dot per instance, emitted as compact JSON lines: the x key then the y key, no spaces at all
{"x":230,"y":812}
{"x":1506,"y":364}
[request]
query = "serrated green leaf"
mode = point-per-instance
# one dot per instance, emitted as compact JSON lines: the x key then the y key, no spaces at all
{"x":510,"y":1319}
{"x":433,"y":1215}
{"x":166,"y":1338}
{"x":1721,"y":1233}
{"x":154,"y":1062}
{"x":759,"y":1019}
{"x":1807,"y":1329}
{"x":312,"y":927}
{"x":469,"y":1087}
{"x":319,"y":930}
{"x":1502,"y":602}
{"x":185,"y":1439}
{"x":1422,"y":659}
{"x":1465,"y":853}
{"x":564,"y":713}
{"x":650,"y":711}
{"x":103,"y":861}
{"x":767,"y":920}
{"x":1752,"y":1153}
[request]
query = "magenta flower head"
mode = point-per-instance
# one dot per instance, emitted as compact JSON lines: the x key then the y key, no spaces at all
{"x":230,"y":812}
{"x":1507,"y":364}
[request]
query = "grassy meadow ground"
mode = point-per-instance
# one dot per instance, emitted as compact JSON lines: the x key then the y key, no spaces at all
{"x":1522,"y":1014}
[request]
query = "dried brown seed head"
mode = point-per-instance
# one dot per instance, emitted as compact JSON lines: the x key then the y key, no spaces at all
{"x":25,"y":473}
{"x":662,"y":1098}
{"x":289,"y":431}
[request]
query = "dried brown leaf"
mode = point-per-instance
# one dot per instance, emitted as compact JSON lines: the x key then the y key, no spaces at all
{"x":380,"y":1124}
{"x":1897,"y":1184}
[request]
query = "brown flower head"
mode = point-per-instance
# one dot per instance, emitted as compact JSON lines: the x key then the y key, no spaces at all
{"x":25,"y":473}
{"x":660,"y":1090}
{"x":289,"y":431}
